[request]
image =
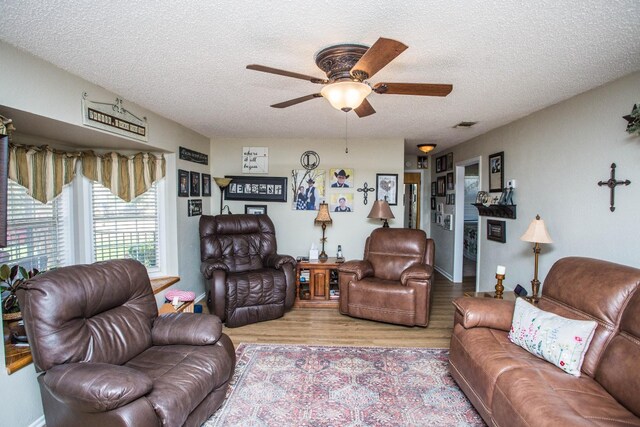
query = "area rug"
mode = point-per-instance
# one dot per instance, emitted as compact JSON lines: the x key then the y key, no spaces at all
{"x":296,"y":385}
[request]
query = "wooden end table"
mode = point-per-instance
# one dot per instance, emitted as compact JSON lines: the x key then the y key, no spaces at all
{"x":507,"y":296}
{"x":319,"y":285}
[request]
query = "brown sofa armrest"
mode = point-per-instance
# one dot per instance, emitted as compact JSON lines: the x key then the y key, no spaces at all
{"x":277,"y":261}
{"x":361,"y":268}
{"x":96,"y":387}
{"x":485,"y":312}
{"x":186,"y":329}
{"x":208,"y":266}
{"x":421,"y":272}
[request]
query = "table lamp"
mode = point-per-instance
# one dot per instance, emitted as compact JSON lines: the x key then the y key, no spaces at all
{"x":222,"y":184}
{"x":381,"y":210}
{"x":536,"y":233}
{"x":323,"y":219}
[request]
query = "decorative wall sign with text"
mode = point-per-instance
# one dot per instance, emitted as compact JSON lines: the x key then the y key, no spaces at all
{"x":114,"y":118}
{"x":194,"y":207}
{"x":255,"y":160}
{"x":193,"y":156}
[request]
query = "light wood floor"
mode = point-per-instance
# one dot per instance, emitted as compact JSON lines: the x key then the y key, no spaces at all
{"x":328,"y":327}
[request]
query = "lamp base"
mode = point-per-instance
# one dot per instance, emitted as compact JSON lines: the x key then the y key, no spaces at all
{"x":323,"y":256}
{"x":499,"y":286}
{"x":385,"y":224}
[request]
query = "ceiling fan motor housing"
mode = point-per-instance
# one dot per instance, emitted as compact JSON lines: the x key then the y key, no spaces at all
{"x":337,"y":62}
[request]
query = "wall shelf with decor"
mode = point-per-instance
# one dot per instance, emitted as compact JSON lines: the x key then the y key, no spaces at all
{"x":497,"y":211}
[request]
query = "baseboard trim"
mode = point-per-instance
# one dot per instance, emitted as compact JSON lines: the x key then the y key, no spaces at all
{"x":444,"y":273}
{"x":40,"y":422}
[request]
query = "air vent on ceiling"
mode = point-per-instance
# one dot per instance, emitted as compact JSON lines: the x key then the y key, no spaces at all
{"x":464,"y":124}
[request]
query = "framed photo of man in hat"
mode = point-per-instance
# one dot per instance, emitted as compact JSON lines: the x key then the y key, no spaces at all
{"x":341,"y":178}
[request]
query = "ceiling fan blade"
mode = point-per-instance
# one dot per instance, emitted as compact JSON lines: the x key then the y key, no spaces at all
{"x":285,"y":73}
{"x":378,"y":56}
{"x":295,"y":101}
{"x":365,"y":109}
{"x":423,"y":89}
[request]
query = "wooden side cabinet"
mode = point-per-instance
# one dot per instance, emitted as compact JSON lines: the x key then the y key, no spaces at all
{"x":317,"y":284}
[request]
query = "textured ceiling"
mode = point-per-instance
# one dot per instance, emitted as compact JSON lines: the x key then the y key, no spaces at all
{"x":186,"y":60}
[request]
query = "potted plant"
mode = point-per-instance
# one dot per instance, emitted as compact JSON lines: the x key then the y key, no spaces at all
{"x":10,"y":283}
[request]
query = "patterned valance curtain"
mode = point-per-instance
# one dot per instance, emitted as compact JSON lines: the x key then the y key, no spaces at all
{"x":41,"y":170}
{"x":126,"y":176}
{"x":44,"y":171}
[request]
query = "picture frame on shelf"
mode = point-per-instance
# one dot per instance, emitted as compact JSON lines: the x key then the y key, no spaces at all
{"x":206,"y":185}
{"x":257,"y":188}
{"x":447,"y":222}
{"x":496,"y":230}
{"x":496,"y":172}
{"x":442,"y":186}
{"x":387,"y":187}
{"x":183,"y":183}
{"x":194,"y":186}
{"x":255,"y":209}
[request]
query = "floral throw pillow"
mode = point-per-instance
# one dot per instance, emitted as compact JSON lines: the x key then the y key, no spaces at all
{"x":553,"y":338}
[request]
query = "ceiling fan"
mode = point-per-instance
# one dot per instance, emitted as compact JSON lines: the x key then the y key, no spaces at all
{"x":348,"y":67}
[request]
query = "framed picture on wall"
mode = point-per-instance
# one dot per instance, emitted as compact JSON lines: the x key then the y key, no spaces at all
{"x":433,"y":188}
{"x":496,"y":172}
{"x":442,"y":186}
{"x":259,"y":189}
{"x":194,"y":187}
{"x":450,"y":161}
{"x":206,"y":185}
{"x":255,"y":209}
{"x":387,"y":187}
{"x":183,"y":183}
{"x":496,"y":231}
{"x":450,"y":185}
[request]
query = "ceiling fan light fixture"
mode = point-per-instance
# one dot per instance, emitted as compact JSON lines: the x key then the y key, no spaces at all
{"x":346,"y":95}
{"x":425,"y":148}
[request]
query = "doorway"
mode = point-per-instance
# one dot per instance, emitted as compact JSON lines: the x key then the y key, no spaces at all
{"x":468,"y":225}
{"x":412,"y":200}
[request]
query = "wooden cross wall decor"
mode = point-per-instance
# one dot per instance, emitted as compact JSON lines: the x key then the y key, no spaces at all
{"x":612,"y":183}
{"x":365,"y":189}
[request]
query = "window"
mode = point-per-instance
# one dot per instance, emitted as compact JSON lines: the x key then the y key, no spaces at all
{"x":36,"y":233}
{"x":125,"y":230}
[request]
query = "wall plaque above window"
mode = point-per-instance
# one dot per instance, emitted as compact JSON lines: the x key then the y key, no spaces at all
{"x":193,"y":156}
{"x":113,"y":117}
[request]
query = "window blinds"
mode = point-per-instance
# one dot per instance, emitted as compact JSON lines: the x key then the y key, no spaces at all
{"x":125,"y":230}
{"x":35,"y":231}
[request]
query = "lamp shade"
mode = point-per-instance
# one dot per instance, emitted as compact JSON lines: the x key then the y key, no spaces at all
{"x":425,"y":148}
{"x":222,"y":182}
{"x":346,"y":95}
{"x":537,"y":232}
{"x":380,"y":210}
{"x":323,"y":214}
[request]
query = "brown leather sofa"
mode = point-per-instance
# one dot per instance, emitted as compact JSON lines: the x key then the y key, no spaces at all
{"x":109,"y":360}
{"x":393,"y":282}
{"x":246,"y":280}
{"x":511,"y":387}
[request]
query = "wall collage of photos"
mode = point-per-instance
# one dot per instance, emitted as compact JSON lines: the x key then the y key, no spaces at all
{"x":443,"y":191}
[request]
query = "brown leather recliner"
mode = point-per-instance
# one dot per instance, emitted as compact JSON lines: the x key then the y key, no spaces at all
{"x":393,"y":282}
{"x":246,"y":280}
{"x":109,"y":360}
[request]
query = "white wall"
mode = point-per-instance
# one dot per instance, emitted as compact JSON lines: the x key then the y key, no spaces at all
{"x":557,"y":156}
{"x":32,"y":85}
{"x":295,"y":230}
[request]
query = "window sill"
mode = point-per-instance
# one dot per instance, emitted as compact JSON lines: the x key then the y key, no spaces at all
{"x":17,"y":357}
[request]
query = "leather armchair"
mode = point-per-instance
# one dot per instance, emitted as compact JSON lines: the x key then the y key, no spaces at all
{"x":246,"y":280}
{"x":393,"y":282}
{"x":109,"y":360}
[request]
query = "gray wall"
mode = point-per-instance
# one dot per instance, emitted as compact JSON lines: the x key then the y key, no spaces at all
{"x":557,"y":156}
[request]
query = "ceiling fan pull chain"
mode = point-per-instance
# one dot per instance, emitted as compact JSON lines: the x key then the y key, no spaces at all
{"x":346,"y":139}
